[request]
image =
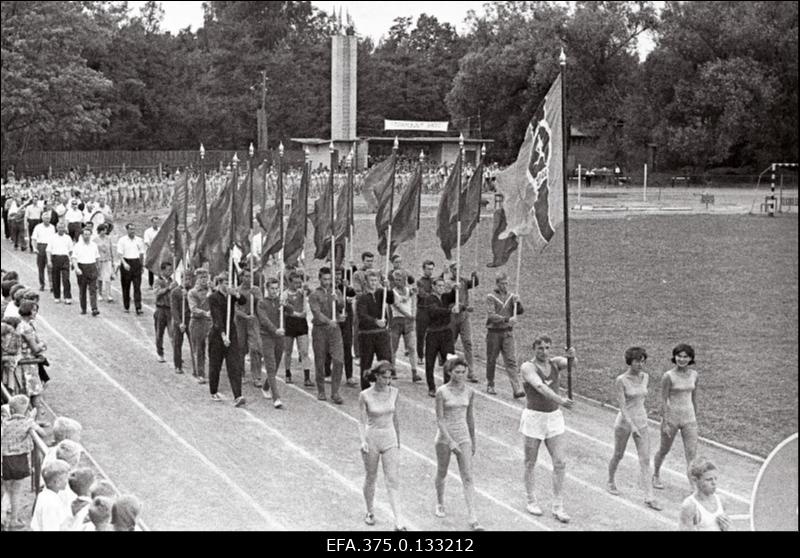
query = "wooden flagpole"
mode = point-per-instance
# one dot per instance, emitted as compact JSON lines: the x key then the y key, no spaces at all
{"x":283,"y":233}
{"x":562,"y":60}
{"x":419,"y":206}
{"x":251,"y":152}
{"x":480,"y":206}
{"x":333,"y":229}
{"x":231,"y":245}
{"x":389,"y":231}
{"x":351,"y":221}
{"x":458,"y":224}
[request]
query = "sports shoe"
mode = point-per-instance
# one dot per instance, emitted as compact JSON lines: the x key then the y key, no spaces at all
{"x":475,"y":526}
{"x":109,"y":299}
{"x":654,"y":504}
{"x":308,"y":383}
{"x":95,"y":313}
{"x":83,"y":312}
{"x":519,"y":394}
{"x":490,"y":390}
{"x":278,"y":404}
{"x":161,"y":358}
{"x":431,"y":393}
{"x":178,"y":370}
{"x":139,"y":312}
{"x":533,"y":508}
{"x":266,"y":394}
{"x":127,"y":310}
{"x":439,"y":511}
{"x":217,"y":397}
{"x":611,"y":488}
{"x":351,"y":381}
{"x":560,"y":514}
{"x":201,"y":380}
{"x":657,"y":483}
{"x":337,"y":399}
{"x":58,"y":301}
{"x":288,"y":378}
{"x":369,"y":518}
{"x":321,"y":397}
{"x":240,"y":401}
{"x":67,"y":301}
{"x":416,"y":378}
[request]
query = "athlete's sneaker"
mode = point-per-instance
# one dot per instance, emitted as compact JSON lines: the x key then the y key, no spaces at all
{"x":201,"y":380}
{"x":351,"y":382}
{"x":277,"y":404}
{"x":337,"y":399}
{"x":161,"y":358}
{"x":217,"y":397}
{"x":490,"y":390}
{"x":431,"y":393}
{"x":308,"y":383}
{"x":560,"y":514}
{"x":657,"y":483}
{"x":321,"y":397}
{"x":369,"y":518}
{"x":519,"y":394}
{"x":178,"y":370}
{"x":240,"y":401}
{"x":415,"y":378}
{"x":439,"y":511}
{"x":611,"y":488}
{"x":533,"y":508}
{"x":67,"y":301}
{"x":288,"y":378}
{"x":58,"y":301}
{"x":267,"y":394}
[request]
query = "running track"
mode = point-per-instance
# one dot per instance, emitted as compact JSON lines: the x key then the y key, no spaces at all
{"x":207,"y":466}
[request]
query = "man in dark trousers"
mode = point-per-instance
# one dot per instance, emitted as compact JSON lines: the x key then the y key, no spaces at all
{"x":439,"y":337}
{"x":326,"y":336}
{"x":180,"y":314}
{"x":424,"y":290}
{"x":162,"y":316}
{"x":130,"y":249}
{"x":221,"y":346}
{"x":343,"y":286}
{"x":373,"y":336}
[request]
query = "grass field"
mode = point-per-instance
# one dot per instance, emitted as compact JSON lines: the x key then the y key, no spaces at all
{"x":725,"y":284}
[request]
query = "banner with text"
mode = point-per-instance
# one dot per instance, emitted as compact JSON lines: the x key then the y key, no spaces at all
{"x":415,"y":125}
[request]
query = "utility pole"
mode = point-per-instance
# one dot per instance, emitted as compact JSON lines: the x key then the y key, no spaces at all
{"x":261,"y":115}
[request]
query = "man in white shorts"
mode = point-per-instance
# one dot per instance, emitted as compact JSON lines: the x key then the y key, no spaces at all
{"x":542,"y":420}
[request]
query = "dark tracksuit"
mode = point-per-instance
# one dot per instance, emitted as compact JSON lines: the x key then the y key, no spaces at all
{"x":161,"y":317}
{"x":424,"y":289}
{"x":179,"y":312}
{"x":373,"y":341}
{"x":347,"y":337}
{"x":439,"y":337}
{"x":217,"y":351}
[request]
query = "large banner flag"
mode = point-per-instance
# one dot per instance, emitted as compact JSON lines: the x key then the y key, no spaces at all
{"x":448,"y":207}
{"x":344,"y":215}
{"x":296,"y":231}
{"x":180,"y":199}
{"x":406,"y":219}
{"x":165,"y":245}
{"x":383,"y":190}
{"x":322,"y":224}
{"x":212,"y":246}
{"x":470,"y":205}
{"x":375,"y":181}
{"x":241,"y":206}
{"x":532,"y":186}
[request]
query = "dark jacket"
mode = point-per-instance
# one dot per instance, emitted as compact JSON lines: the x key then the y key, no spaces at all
{"x":439,"y":310}
{"x":217,"y":303}
{"x":368,"y":310}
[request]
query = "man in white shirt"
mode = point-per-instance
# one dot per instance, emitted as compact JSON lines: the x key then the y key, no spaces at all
{"x":131,"y":252}
{"x":33,"y":216}
{"x":150,"y":234}
{"x":41,"y":238}
{"x":84,"y":257}
{"x":60,"y":251}
{"x":74,"y":219}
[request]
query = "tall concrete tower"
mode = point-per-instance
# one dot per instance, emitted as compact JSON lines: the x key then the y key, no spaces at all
{"x":344,"y":49}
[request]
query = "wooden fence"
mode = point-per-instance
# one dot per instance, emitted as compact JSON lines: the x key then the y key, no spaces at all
{"x":38,"y":163}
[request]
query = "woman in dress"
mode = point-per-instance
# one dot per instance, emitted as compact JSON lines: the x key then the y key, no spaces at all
{"x":31,"y":352}
{"x":702,"y":510}
{"x":456,"y":434}
{"x":380,"y":438}
{"x":678,"y":391}
{"x":105,"y":271}
{"x":631,"y":390}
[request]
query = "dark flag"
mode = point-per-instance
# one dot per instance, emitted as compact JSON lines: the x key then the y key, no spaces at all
{"x":180,"y":198}
{"x":470,"y":205}
{"x":213,"y":245}
{"x":383,"y":189}
{"x":343,"y":214}
{"x":296,"y":229}
{"x":444,"y":231}
{"x":406,"y":220}
{"x":241,"y":235}
{"x":322,"y":225}
{"x":501,"y":248}
{"x":163,"y":247}
{"x":376,"y":180}
{"x":271,"y":219}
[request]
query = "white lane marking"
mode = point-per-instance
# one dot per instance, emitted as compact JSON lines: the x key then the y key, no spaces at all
{"x":603,"y":443}
{"x":629,"y":453}
{"x":549,"y":467}
{"x":272,"y":523}
{"x":325,"y":467}
{"x":425,"y":458}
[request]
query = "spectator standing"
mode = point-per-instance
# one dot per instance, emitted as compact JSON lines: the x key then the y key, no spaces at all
{"x":41,"y":237}
{"x":85,"y":256}
{"x":130,"y":249}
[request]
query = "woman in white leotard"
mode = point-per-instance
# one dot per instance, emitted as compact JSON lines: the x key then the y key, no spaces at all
{"x":456,"y":434}
{"x":632,"y":419}
{"x":702,"y":510}
{"x":380,"y":438}
{"x":678,"y":391}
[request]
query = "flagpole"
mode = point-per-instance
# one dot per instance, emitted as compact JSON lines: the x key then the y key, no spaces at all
{"x":389,"y":231}
{"x":562,"y":60}
{"x":480,"y":205}
{"x":333,"y":231}
{"x":519,"y":271}
{"x":230,"y":249}
{"x":419,"y":205}
{"x":251,"y":151}
{"x":283,"y":234}
{"x":175,"y":233}
{"x":458,"y":224}
{"x":350,"y":214}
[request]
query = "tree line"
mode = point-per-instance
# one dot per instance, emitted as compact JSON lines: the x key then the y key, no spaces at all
{"x":719,"y":89}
